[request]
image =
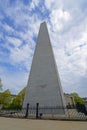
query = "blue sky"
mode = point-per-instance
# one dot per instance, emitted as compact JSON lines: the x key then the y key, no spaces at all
{"x":67,"y":24}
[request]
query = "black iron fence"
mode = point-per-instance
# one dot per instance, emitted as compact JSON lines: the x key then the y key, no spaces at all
{"x":45,"y":112}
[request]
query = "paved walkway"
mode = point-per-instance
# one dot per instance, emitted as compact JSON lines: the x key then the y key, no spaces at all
{"x":27,"y":124}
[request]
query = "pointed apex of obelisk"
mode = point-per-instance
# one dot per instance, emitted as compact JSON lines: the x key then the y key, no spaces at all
{"x":43,"y":36}
{"x":43,"y":24}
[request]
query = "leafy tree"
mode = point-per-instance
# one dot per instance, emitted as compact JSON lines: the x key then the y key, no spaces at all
{"x":22,"y":93}
{"x":18,"y":100}
{"x":0,"y":83}
{"x":77,"y":98}
{"x":5,"y":98}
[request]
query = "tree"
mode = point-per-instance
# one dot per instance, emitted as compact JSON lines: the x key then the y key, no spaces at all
{"x":77,"y":98}
{"x":5,"y":98}
{"x":79,"y":103}
{"x":18,"y":100}
{"x":0,"y":83}
{"x":22,"y":93}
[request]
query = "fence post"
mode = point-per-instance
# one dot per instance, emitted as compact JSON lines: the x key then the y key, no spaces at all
{"x":37,"y":107}
{"x":26,"y":115}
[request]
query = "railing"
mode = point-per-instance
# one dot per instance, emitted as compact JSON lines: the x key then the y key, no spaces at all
{"x":45,"y":112}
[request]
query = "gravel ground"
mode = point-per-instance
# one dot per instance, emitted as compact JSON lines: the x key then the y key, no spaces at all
{"x":28,"y":124}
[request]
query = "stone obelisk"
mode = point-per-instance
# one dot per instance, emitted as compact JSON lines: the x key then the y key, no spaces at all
{"x":44,"y":86}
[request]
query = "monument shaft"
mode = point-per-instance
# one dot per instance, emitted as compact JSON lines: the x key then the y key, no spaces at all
{"x":44,"y":85}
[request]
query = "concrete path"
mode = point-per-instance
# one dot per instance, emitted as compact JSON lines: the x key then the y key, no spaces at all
{"x":27,"y":124}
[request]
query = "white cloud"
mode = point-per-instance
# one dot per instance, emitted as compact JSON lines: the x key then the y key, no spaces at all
{"x":58,"y":18}
{"x":8,"y":28}
{"x":34,"y":4}
{"x":20,"y":54}
{"x":51,"y":4}
{"x":69,"y":4}
{"x":14,"y":41}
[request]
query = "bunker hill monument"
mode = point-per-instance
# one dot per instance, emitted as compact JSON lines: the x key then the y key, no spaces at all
{"x":44,"y":86}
